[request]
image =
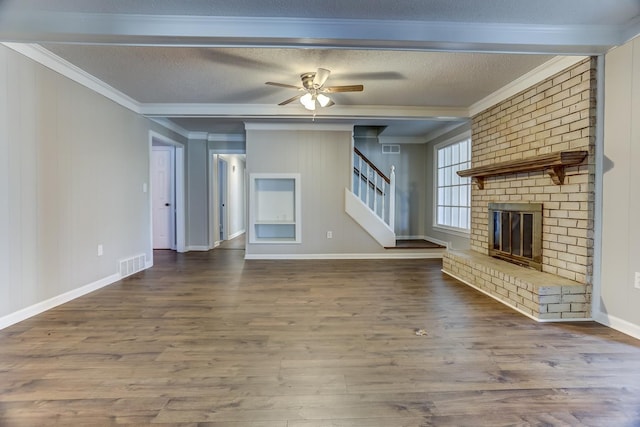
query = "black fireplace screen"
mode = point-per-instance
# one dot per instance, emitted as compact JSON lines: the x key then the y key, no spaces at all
{"x":515,"y":232}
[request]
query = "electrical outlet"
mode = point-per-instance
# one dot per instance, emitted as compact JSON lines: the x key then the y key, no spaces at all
{"x":329,"y":234}
{"x":100,"y":251}
{"x":637,"y":281}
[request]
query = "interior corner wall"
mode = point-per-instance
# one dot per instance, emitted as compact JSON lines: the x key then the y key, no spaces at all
{"x":620,"y":300}
{"x":411,"y":182}
{"x":72,"y":169}
{"x":323,"y":159}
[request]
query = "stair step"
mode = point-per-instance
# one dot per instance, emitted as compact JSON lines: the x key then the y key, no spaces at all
{"x":415,"y":244}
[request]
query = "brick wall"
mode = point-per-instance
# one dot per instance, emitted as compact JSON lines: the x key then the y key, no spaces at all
{"x":557,"y":114}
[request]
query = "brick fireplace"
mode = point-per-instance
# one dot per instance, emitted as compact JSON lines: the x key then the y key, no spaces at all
{"x":546,"y":125}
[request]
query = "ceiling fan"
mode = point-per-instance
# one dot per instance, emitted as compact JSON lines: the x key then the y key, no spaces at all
{"x":314,"y":93}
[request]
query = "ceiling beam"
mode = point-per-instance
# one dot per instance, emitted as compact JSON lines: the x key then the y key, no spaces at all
{"x":174,"y":30}
{"x":342,"y":112}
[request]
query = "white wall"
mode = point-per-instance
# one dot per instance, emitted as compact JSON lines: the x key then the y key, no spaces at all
{"x":322,"y":157}
{"x":72,"y":169}
{"x":620,"y":301}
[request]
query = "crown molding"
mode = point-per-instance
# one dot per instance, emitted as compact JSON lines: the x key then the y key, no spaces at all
{"x":225,"y":137}
{"x":46,"y":58}
{"x":401,"y":139}
{"x":631,"y":31}
{"x":170,"y":125}
{"x":533,"y":77}
{"x":198,"y":135}
{"x":299,"y":126}
{"x":463,"y":127}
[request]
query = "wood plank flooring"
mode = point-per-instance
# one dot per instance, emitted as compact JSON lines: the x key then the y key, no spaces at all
{"x":209,"y":339}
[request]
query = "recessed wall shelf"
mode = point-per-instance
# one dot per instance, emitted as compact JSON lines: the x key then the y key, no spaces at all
{"x":553,"y":164}
{"x":274,"y":214}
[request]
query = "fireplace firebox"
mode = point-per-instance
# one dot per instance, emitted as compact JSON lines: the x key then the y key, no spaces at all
{"x":515,"y":233}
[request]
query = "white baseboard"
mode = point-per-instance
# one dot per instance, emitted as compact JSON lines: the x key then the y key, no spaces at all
{"x":438,"y":241}
{"x":201,"y":248}
{"x":43,"y":306}
{"x":236,"y":234}
{"x":618,"y":324}
{"x":513,"y":306}
{"x":400,"y":254}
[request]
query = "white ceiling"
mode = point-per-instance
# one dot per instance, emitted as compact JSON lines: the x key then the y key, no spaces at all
{"x":423,"y":63}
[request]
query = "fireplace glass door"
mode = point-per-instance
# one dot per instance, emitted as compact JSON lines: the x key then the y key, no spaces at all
{"x":516,"y":233}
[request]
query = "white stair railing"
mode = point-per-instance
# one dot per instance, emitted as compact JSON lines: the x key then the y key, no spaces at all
{"x":374,"y":188}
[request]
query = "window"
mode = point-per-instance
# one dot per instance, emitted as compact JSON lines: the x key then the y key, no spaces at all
{"x":453,"y":193}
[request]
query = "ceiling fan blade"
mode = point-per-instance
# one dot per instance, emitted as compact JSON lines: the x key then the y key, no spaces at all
{"x":283,"y":85}
{"x":293,"y":98}
{"x":331,"y":103}
{"x":349,"y":88}
{"x":321,"y":76}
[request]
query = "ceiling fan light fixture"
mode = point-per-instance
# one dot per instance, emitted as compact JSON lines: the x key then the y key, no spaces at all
{"x":308,"y":101}
{"x":323,"y":100}
{"x":314,"y":93}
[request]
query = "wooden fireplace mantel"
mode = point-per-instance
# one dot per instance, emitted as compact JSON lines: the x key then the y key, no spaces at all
{"x":553,"y":164}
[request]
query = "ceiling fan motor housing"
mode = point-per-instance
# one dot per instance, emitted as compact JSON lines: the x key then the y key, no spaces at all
{"x":307,"y":80}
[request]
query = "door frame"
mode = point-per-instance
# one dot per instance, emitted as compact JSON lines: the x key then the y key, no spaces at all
{"x":179,"y":202}
{"x":214,"y":200}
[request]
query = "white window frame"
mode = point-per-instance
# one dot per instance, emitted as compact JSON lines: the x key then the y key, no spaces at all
{"x":465,"y":232}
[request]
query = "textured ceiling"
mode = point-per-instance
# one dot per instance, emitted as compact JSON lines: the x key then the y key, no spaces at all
{"x":237,"y":75}
{"x":203,"y":63}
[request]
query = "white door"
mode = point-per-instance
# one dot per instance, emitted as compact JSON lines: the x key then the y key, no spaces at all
{"x":161,"y":197}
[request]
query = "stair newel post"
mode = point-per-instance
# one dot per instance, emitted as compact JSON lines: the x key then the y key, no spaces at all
{"x":392,"y":198}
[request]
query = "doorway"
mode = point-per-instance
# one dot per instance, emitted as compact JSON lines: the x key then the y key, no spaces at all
{"x":166,"y":199}
{"x":223,"y":199}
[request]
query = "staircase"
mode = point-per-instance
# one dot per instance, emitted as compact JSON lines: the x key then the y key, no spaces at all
{"x":371,"y":201}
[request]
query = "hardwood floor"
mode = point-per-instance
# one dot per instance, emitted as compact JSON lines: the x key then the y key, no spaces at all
{"x":210,"y":339}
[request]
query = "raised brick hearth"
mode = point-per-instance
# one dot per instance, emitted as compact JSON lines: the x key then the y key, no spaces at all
{"x":555,"y":115}
{"x":542,"y":296}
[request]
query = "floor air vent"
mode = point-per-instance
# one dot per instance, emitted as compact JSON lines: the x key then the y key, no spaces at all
{"x":132,"y":265}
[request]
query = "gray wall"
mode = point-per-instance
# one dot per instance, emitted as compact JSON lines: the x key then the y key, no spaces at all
{"x":72,"y":169}
{"x":322,"y":157}
{"x":197,"y":212}
{"x":620,"y":301}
